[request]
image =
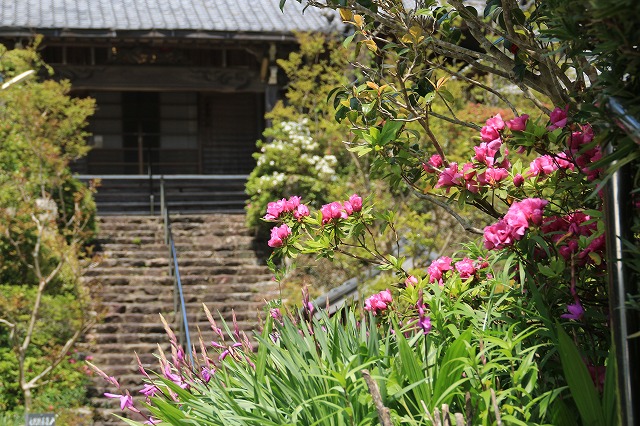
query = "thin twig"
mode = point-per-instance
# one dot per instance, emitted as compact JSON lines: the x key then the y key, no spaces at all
{"x":462,"y":221}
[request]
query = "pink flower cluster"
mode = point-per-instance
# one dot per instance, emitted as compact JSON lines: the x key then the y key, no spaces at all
{"x":379,"y":302}
{"x":512,"y":227}
{"x":338,"y":210}
{"x":583,"y":158}
{"x":466,"y":268}
{"x":293,"y":205}
{"x":438,"y":268}
{"x":565,"y":233}
{"x":558,"y":118}
{"x":278,"y":235}
{"x":491,"y":163}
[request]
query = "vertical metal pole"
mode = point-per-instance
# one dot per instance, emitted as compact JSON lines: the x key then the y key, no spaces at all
{"x":140,"y":150}
{"x":621,"y":283}
{"x":151,"y":196}
{"x":622,"y":279}
{"x":162,"y":204}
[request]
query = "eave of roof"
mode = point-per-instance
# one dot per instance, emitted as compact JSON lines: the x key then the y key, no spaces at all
{"x":157,"y":35}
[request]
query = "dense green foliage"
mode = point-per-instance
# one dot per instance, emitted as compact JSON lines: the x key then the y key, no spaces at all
{"x":46,"y":220}
{"x":512,"y":330}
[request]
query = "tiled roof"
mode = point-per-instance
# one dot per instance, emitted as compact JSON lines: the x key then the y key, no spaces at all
{"x":260,"y":16}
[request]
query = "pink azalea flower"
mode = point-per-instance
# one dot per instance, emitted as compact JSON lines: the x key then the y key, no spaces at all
{"x":498,"y":235}
{"x":495,"y":175}
{"x":275,"y":208}
{"x":518,"y":180}
{"x":542,"y":166}
{"x":558,"y":118}
{"x":450,"y":177}
{"x":292,"y":203}
{"x":378,"y":302}
{"x":332,"y":211}
{"x":301,"y":211}
{"x":411,"y":281}
{"x":496,"y":122}
{"x":434,"y":163}
{"x":531,"y":208}
{"x":518,"y":123}
{"x":437,"y":269}
{"x":488,"y":133}
{"x":356,"y":202}
{"x":486,"y":151}
{"x":278,"y":235}
{"x":466,"y":268}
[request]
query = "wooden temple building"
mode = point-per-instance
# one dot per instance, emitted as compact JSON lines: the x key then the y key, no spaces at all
{"x":181,"y":85}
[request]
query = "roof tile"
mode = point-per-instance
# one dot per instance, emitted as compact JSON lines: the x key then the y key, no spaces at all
{"x":196,"y":15}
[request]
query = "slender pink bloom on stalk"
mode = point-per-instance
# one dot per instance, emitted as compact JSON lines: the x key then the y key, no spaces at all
{"x":126,"y":400}
{"x":278,"y":235}
{"x":206,"y":374}
{"x":576,"y":312}
{"x":149,"y":390}
{"x":152,"y":421}
{"x":518,"y":123}
{"x":558,"y":118}
{"x":424,"y":321}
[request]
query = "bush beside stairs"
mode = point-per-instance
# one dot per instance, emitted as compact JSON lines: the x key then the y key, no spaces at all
{"x":131,"y":284}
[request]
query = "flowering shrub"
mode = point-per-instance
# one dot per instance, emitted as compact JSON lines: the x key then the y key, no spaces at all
{"x":481,"y":332}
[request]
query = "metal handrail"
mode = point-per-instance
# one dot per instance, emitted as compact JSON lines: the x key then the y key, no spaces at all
{"x":174,"y":270}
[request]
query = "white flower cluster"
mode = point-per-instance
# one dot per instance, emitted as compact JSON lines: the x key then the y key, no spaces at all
{"x":269,"y":182}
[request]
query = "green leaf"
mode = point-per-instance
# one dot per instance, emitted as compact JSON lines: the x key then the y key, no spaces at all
{"x":347,"y":41}
{"x":446,"y":95}
{"x":451,"y":369}
{"x":609,"y":394}
{"x":582,"y":389}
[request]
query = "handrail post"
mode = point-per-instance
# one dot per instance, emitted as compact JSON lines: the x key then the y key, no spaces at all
{"x":162,"y":203}
{"x":179,"y":306}
{"x":151,"y":197}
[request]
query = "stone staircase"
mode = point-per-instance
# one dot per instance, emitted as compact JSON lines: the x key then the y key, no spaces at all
{"x":131,"y":283}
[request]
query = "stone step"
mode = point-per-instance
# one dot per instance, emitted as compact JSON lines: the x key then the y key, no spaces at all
{"x":184,"y":253}
{"x":127,"y":270}
{"x":126,"y":338}
{"x":125,"y":261}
